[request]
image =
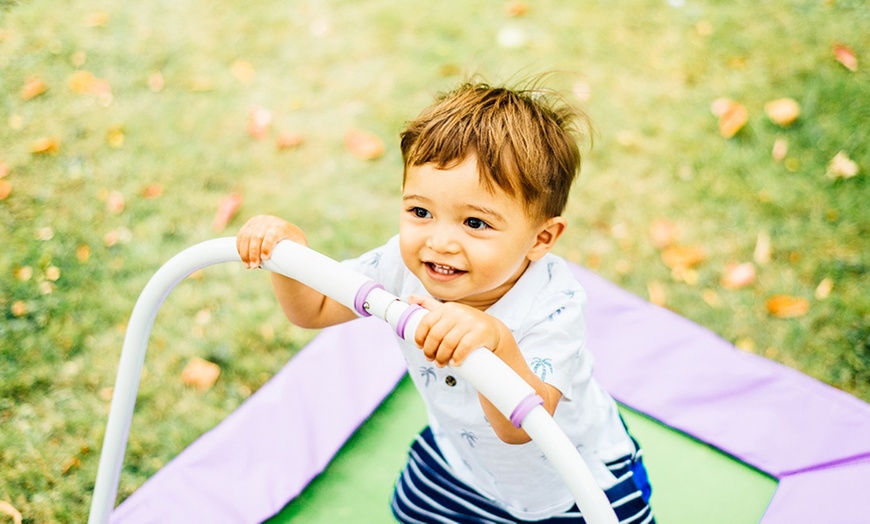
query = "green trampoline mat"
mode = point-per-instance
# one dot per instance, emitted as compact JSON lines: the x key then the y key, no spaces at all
{"x":692,"y":482}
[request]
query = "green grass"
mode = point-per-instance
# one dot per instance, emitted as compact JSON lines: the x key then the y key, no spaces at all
{"x":322,"y":68}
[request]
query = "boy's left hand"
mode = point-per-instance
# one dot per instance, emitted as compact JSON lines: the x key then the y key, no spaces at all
{"x":451,"y":331}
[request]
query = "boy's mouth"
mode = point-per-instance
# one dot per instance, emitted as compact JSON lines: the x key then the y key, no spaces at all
{"x":442,"y":270}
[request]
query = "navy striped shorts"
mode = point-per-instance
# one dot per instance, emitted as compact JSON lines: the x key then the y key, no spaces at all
{"x":427,"y":492}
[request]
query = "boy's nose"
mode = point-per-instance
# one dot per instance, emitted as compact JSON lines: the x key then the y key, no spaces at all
{"x":442,"y":241}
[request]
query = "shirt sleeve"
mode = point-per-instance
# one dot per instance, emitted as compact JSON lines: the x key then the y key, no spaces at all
{"x":383,"y":264}
{"x":554,"y":343}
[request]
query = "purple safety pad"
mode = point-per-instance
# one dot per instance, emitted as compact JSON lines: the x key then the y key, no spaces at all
{"x":264,"y":453}
{"x":782,"y":422}
{"x":813,"y":438}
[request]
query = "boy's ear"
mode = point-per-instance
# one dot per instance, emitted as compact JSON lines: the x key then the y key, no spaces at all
{"x":548,"y":234}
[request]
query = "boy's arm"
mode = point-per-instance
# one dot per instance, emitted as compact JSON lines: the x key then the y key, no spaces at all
{"x":450,"y":332}
{"x":302,"y":305}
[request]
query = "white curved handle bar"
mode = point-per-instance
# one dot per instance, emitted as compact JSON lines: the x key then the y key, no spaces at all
{"x":486,"y":372}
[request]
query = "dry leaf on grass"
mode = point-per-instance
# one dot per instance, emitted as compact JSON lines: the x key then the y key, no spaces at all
{"x":33,"y":87}
{"x":846,"y":56}
{"x":5,"y":189}
{"x":226,"y":210}
{"x":683,"y":257}
{"x":363,"y":145}
{"x":656,"y":293}
{"x":779,"y":150}
{"x":841,"y":166}
{"x":663,"y":233}
{"x":44,"y":146}
{"x":200,"y":373}
{"x":259,"y":122}
{"x":152,"y":191}
{"x":288,"y":140}
{"x":516,"y":8}
{"x":733,"y":119}
{"x":8,"y":509}
{"x":738,"y":275}
{"x":782,"y":111}
{"x":787,"y":306}
{"x":823,"y":290}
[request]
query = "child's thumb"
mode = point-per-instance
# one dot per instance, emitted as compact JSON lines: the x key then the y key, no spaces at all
{"x":427,"y":302}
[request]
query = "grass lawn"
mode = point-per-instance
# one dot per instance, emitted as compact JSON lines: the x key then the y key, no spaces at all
{"x":124,"y":126}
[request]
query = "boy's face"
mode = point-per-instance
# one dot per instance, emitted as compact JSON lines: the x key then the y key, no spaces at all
{"x":465,"y":243}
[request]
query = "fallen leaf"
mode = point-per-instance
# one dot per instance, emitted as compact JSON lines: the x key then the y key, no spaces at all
{"x":656,"y":293}
{"x":363,"y":145}
{"x":737,"y":276}
{"x":19,"y":308}
{"x":84,"y":82}
{"x":663,"y":233}
{"x":823,"y":290}
{"x":243,"y":71}
{"x":70,"y":464}
{"x":733,"y":119}
{"x":96,"y":19}
{"x":5,"y":189}
{"x":762,"y":251}
{"x":846,"y":56}
{"x":8,"y":509}
{"x":683,"y":257}
{"x":152,"y":191}
{"x":719,"y":106}
{"x":516,"y":8}
{"x":52,"y":273}
{"x":780,"y":149}
{"x":289,"y":140}
{"x":841,"y":166}
{"x":200,"y":373}
{"x":787,"y":306}
{"x":115,"y":137}
{"x":782,"y":111}
{"x":23,"y":273}
{"x":227,"y":209}
{"x":259,"y":121}
{"x":115,"y":202}
{"x":44,"y":146}
{"x":83,"y":253}
{"x":33,"y":87}
{"x":156,"y":83}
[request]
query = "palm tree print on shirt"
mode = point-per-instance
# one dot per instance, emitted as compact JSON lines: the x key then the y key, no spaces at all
{"x":540,"y":366}
{"x":469,"y":437}
{"x":428,"y":373}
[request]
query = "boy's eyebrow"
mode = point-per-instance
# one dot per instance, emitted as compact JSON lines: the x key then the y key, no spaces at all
{"x":479,"y":209}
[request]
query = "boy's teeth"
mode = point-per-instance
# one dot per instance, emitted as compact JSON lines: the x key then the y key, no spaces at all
{"x":443,"y":270}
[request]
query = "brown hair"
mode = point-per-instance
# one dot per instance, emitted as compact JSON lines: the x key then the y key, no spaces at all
{"x":526,"y":141}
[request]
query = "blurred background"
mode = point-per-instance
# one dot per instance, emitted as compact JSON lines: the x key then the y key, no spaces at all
{"x":727,"y":182}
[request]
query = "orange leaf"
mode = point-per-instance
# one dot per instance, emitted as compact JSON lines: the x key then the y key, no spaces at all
{"x":8,"y":509}
{"x":656,"y":293}
{"x":738,"y":275}
{"x":786,"y":306}
{"x":226,"y":210}
{"x":363,"y":144}
{"x":200,"y":374}
{"x":841,"y":166}
{"x":517,"y":8}
{"x":152,"y":191}
{"x":663,"y":233}
{"x":259,"y":121}
{"x":782,"y":111}
{"x":289,"y":141}
{"x":33,"y":87}
{"x":5,"y":189}
{"x":846,"y":56}
{"x":115,"y":202}
{"x":733,"y":119}
{"x":683,"y":257}
{"x":45,"y":146}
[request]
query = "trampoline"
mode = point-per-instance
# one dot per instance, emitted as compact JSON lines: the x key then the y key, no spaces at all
{"x":728,"y":436}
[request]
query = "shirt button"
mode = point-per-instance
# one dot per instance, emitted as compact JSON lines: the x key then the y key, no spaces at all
{"x":450,"y":381}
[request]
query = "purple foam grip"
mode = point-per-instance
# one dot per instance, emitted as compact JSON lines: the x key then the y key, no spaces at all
{"x":362,"y":294}
{"x":404,"y":318}
{"x":523,"y":408}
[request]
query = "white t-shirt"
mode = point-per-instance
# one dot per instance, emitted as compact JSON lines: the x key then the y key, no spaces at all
{"x":545,"y":312}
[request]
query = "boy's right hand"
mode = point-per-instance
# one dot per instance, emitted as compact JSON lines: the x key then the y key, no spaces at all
{"x":258,"y":237}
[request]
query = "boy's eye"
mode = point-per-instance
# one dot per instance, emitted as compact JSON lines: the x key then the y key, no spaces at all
{"x":476,"y":223}
{"x":419,"y":212}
